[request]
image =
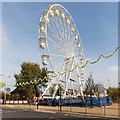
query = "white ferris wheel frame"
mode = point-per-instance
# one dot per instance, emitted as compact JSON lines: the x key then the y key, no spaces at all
{"x":74,"y":58}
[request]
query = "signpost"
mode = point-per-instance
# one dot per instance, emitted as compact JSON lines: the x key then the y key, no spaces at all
{"x":7,"y":89}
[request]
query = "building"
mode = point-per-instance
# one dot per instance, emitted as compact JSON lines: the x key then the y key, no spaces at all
{"x":17,"y":95}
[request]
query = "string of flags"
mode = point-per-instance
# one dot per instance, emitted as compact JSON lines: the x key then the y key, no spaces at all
{"x":36,"y":81}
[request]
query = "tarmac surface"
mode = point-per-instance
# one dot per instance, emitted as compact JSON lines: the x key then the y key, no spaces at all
{"x":30,"y":114}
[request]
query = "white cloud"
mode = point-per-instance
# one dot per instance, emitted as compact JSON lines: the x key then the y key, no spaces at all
{"x":114,"y":68}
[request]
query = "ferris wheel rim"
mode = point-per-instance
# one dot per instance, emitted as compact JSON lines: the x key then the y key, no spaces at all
{"x":70,"y":16}
{"x":47,"y":26}
{"x":47,"y":47}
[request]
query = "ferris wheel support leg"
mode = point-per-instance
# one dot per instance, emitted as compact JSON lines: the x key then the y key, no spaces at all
{"x":81,"y":89}
{"x":68,"y":79}
{"x":56,"y":88}
{"x":46,"y":88}
{"x":58,"y":80}
{"x":73,"y":88}
{"x":72,"y":83}
{"x":84,"y":75}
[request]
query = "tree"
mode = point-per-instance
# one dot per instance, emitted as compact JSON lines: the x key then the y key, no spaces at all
{"x":113,"y":93}
{"x":99,"y":89}
{"x":30,"y":72}
{"x":92,"y":88}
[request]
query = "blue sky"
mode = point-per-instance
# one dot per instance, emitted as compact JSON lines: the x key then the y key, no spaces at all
{"x":96,"y":22}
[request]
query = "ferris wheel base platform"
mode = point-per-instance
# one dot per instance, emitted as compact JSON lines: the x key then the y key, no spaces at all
{"x":98,"y":102}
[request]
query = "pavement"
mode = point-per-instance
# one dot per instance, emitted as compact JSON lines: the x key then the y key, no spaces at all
{"x":34,"y":114}
{"x":111,"y":111}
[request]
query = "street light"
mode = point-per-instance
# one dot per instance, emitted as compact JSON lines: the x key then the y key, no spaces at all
{"x":60,"y":100}
{"x":108,"y":83}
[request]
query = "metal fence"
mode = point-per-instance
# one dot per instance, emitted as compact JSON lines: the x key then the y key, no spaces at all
{"x":108,"y":111}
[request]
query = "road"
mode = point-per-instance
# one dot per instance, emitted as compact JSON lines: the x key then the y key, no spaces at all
{"x":16,"y":114}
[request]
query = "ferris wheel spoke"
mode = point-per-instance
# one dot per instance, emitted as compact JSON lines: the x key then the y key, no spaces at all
{"x":54,"y":32}
{"x":55,"y":36}
{"x":56,"y":44}
{"x":60,"y":26}
{"x":58,"y":31}
{"x":68,"y":27}
{"x":72,"y":40}
{"x":56,"y":21}
{"x":63,"y":31}
{"x":54,"y":49}
{"x":52,"y":21}
{"x":58,"y":55}
{"x":56,"y":52}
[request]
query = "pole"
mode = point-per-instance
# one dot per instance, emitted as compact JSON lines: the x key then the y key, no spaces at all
{"x":60,"y":99}
{"x":104,"y":110}
{"x":85,"y":109}
{"x":108,"y":83}
{"x":37,"y":102}
{"x":70,"y":108}
{"x":5,"y":95}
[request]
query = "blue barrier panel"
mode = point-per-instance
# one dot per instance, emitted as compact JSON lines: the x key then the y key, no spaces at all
{"x":108,"y":101}
{"x":77,"y":102}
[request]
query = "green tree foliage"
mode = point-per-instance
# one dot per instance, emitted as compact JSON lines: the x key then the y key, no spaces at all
{"x":30,"y":72}
{"x":113,"y":93}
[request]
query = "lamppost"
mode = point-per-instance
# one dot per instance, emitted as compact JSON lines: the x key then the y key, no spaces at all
{"x":60,"y":100}
{"x":108,"y":83}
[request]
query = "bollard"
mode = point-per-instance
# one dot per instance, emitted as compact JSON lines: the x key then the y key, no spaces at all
{"x":104,"y":110}
{"x":37,"y":105}
{"x":58,"y":108}
{"x":70,"y":108}
{"x":14,"y":105}
{"x":85,"y":109}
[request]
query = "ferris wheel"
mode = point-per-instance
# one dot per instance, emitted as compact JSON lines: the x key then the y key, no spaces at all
{"x":61,"y":50}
